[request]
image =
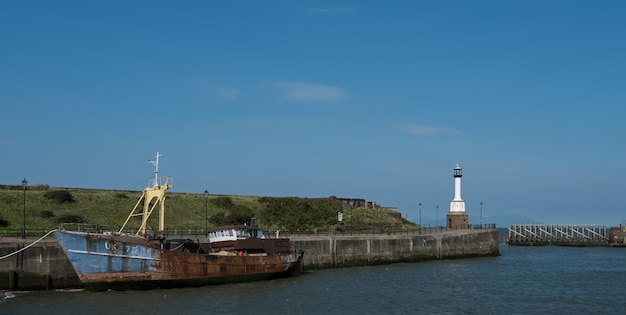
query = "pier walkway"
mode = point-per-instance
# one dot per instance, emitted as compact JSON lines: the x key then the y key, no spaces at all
{"x":559,"y":234}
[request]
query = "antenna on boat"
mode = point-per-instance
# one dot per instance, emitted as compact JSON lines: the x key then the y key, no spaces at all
{"x":155,"y":162}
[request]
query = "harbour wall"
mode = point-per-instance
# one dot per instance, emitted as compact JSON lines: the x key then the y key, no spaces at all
{"x":338,"y":251}
{"x":42,"y":266}
{"x":45,"y":266}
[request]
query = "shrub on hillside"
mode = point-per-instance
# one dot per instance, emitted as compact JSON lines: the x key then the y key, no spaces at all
{"x":46,"y":214}
{"x":218,"y":218}
{"x":69,"y":218}
{"x":237,"y":215}
{"x":3,"y":222}
{"x":300,"y":213}
{"x":59,"y":196}
{"x":40,"y":187}
{"x":222,"y":202}
{"x":240,"y":214}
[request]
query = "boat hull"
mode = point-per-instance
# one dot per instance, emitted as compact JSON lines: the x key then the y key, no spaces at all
{"x":107,"y":261}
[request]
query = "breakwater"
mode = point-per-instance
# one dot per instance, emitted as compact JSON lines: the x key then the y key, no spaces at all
{"x":39,"y":267}
{"x":44,"y":266}
{"x":336,"y":251}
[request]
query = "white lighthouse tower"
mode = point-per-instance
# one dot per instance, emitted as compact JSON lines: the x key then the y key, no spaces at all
{"x":457,"y":217}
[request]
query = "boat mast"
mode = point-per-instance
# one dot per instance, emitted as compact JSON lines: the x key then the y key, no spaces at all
{"x":155,"y":162}
{"x":154,"y":190}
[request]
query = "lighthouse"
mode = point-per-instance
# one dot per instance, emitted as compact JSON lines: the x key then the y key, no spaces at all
{"x":457,"y":217}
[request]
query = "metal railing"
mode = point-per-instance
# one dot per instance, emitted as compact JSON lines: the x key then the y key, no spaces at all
{"x":557,"y":233}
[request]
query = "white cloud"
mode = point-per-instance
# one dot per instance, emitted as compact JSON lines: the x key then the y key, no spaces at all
{"x":331,"y":11}
{"x":226,"y":94}
{"x":426,"y":130}
{"x":219,"y":93}
{"x":307,"y":92}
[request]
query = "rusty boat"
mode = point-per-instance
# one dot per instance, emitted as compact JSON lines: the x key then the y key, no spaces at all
{"x":144,"y":260}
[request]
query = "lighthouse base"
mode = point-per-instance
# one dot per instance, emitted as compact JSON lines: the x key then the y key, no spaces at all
{"x":457,"y":220}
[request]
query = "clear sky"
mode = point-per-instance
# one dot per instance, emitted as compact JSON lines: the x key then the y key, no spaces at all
{"x":360,"y":99}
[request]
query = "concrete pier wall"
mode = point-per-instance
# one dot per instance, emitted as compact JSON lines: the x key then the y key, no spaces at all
{"x":347,"y":251}
{"x":44,"y":266}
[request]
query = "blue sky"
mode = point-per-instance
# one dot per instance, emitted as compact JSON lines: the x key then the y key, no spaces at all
{"x":361,"y":99}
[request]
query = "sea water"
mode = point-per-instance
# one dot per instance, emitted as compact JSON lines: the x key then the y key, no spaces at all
{"x":522,"y":280}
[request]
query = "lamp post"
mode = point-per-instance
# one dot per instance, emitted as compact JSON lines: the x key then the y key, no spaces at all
{"x":24,"y":183}
{"x":206,"y":211}
{"x":437,"y":215}
{"x":420,"y":204}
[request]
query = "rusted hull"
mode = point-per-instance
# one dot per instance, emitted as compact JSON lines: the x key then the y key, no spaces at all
{"x":124,"y":284}
{"x":127,"y":262}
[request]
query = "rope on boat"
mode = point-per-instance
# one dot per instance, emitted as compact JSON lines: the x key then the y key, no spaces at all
{"x":26,"y":247}
{"x":183,"y":244}
{"x":179,"y":246}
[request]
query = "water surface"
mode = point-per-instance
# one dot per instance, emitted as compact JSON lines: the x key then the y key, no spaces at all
{"x":522,"y":280}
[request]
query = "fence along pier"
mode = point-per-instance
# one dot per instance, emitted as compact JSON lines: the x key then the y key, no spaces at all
{"x":559,"y":234}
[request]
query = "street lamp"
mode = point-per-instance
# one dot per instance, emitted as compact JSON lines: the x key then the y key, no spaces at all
{"x":420,"y":214}
{"x":437,"y":216}
{"x":24,"y":183}
{"x":206,"y":211}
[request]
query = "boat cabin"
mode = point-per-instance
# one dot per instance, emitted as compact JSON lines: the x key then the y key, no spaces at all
{"x":245,"y":240}
{"x":233,"y":233}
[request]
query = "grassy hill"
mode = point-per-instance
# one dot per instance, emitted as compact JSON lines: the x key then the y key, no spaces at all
{"x":47,"y":207}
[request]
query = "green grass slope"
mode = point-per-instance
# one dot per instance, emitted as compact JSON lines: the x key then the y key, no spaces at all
{"x":47,"y":207}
